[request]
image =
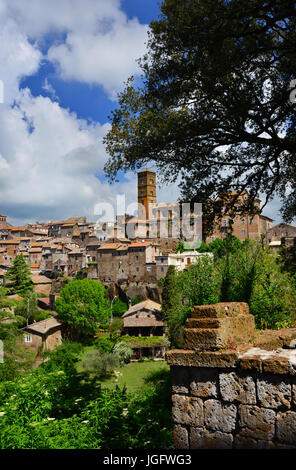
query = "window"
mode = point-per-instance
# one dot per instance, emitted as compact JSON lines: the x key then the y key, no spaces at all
{"x":137,"y":258}
{"x":213,"y":238}
{"x":149,"y":268}
{"x":224,"y":223}
{"x":162,"y":269}
{"x":137,"y":269}
{"x":251,"y":220}
{"x":151,"y":193}
{"x":151,"y":180}
{"x":28,"y":339}
{"x":243,"y":232}
{"x":243,"y":221}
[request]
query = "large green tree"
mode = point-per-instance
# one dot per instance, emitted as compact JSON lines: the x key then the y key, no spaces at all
{"x":20,"y":276}
{"x":83,"y":307}
{"x":216,"y":76}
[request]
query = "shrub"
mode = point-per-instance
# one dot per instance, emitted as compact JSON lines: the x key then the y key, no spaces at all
{"x":100,"y":364}
{"x":124,"y":352}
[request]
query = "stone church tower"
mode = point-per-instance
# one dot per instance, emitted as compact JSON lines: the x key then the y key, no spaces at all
{"x":146,"y":192}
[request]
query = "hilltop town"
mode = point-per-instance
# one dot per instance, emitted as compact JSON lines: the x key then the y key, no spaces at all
{"x":71,"y":246}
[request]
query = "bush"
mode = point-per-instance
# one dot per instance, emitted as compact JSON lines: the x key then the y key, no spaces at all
{"x":119,"y":308}
{"x":104,"y":343}
{"x":124,"y":351}
{"x":239,"y":272}
{"x":100,"y":363}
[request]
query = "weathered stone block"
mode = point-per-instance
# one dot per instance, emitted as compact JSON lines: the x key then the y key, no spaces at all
{"x":181,"y":440}
{"x":196,"y":338}
{"x":180,"y":379}
{"x":286,"y":427}
{"x":256,"y":422}
{"x":219,"y":417}
{"x":274,"y":392}
{"x":220,"y":310}
{"x":187,"y":358}
{"x":201,"y":438}
{"x":235,"y":330}
{"x":188,"y":410}
{"x":251,"y":363}
{"x":276,"y":365}
{"x":203,"y":382}
{"x":234,"y":387}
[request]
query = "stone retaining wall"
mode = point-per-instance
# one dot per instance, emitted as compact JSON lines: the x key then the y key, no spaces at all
{"x":243,"y":397}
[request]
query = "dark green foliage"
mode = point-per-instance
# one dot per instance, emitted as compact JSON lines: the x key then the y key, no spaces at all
{"x":239,"y":272}
{"x":105,"y":343}
{"x":83,"y":307}
{"x":119,"y":308}
{"x":20,"y":276}
{"x":172,"y":308}
{"x":29,"y":310}
{"x":136,"y":300}
{"x":205,"y":86}
{"x":16,"y":360}
{"x":116,"y":325}
{"x":288,"y":258}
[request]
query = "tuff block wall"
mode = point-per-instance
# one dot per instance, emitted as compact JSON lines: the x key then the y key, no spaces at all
{"x":238,"y":397}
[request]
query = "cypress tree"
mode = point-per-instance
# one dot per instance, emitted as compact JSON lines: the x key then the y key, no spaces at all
{"x":20,"y":275}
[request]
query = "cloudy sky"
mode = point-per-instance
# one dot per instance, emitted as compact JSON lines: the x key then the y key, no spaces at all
{"x":62,"y":64}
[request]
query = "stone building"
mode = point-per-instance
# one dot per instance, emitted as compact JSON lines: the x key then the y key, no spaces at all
{"x":123,"y":262}
{"x":281,"y":234}
{"x":180,"y":261}
{"x":145,"y":320}
{"x":3,"y":219}
{"x":252,"y":226}
{"x":146,"y":192}
{"x":44,"y":335}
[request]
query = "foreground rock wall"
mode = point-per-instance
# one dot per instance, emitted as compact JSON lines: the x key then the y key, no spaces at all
{"x":243,"y":397}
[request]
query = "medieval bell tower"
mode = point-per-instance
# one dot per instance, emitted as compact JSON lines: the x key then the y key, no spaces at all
{"x":146,"y":192}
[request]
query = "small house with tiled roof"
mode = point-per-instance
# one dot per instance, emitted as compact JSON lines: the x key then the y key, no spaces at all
{"x":145,"y":320}
{"x":43,"y":335}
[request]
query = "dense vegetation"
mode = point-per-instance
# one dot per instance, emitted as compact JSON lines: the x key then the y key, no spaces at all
{"x":83,"y":307}
{"x":55,"y":407}
{"x":242,"y":272}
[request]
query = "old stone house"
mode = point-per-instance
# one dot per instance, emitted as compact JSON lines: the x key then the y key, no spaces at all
{"x":145,"y":320}
{"x":43,"y":335}
{"x":126,"y":261}
{"x":252,"y":226}
{"x":279,"y":232}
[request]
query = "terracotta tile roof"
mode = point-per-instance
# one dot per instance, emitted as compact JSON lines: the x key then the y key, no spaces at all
{"x":39,"y":279}
{"x":136,"y":245}
{"x":17,"y":229}
{"x":146,"y":304}
{"x":36,"y":250}
{"x":109,"y":246}
{"x":43,"y":326}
